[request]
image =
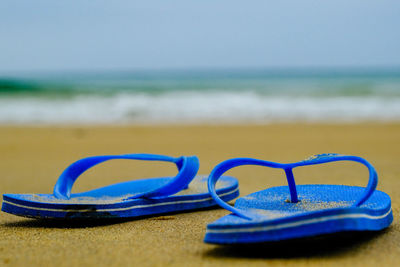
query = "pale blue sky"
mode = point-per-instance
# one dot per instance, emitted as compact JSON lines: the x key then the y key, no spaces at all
{"x":124,"y":35}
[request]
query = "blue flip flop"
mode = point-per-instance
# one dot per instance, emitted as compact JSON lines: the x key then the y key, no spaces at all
{"x":128,"y":199}
{"x":296,"y":211}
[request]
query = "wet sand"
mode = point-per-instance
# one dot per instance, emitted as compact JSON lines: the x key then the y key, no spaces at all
{"x":32,"y":158}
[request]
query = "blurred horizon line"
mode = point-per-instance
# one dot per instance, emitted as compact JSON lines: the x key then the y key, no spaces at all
{"x":251,"y":71}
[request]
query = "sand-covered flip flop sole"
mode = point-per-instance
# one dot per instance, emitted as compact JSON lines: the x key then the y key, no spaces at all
{"x":113,"y":201}
{"x":154,"y":196}
{"x":296,"y":211}
{"x":322,"y":209}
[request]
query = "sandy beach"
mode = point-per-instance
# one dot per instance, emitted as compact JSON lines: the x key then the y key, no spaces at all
{"x":31,"y":158}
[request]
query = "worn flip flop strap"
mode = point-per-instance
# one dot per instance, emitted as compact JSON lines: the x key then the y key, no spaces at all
{"x":187,"y":166}
{"x":221,"y":168}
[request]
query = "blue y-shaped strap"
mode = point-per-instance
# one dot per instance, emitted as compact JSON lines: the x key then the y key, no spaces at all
{"x":187,"y":166}
{"x":221,"y":168}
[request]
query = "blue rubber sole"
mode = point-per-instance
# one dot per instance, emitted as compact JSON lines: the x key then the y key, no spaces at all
{"x":322,"y":209}
{"x":113,"y":201}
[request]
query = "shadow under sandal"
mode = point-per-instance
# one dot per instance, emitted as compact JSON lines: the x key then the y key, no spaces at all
{"x":127,"y":199}
{"x":296,"y":211}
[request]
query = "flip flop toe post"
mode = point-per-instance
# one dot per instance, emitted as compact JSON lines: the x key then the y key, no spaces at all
{"x":297,"y":211}
{"x":153,"y":196}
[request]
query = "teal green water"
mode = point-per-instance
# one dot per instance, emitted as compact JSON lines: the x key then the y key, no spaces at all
{"x":252,"y":96}
{"x":315,"y":83}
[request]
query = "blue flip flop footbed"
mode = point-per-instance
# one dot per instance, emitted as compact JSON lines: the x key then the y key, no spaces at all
{"x":185,"y":191}
{"x":296,"y":211}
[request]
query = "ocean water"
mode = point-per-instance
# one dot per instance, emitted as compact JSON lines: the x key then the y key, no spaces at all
{"x":201,"y":97}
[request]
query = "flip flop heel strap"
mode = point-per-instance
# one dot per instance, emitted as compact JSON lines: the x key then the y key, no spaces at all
{"x":187,"y":166}
{"x":221,"y":168}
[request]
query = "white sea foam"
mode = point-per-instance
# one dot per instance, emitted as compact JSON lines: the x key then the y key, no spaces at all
{"x":195,"y":107}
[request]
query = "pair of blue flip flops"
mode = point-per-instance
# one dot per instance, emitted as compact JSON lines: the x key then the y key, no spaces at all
{"x":273,"y":214}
